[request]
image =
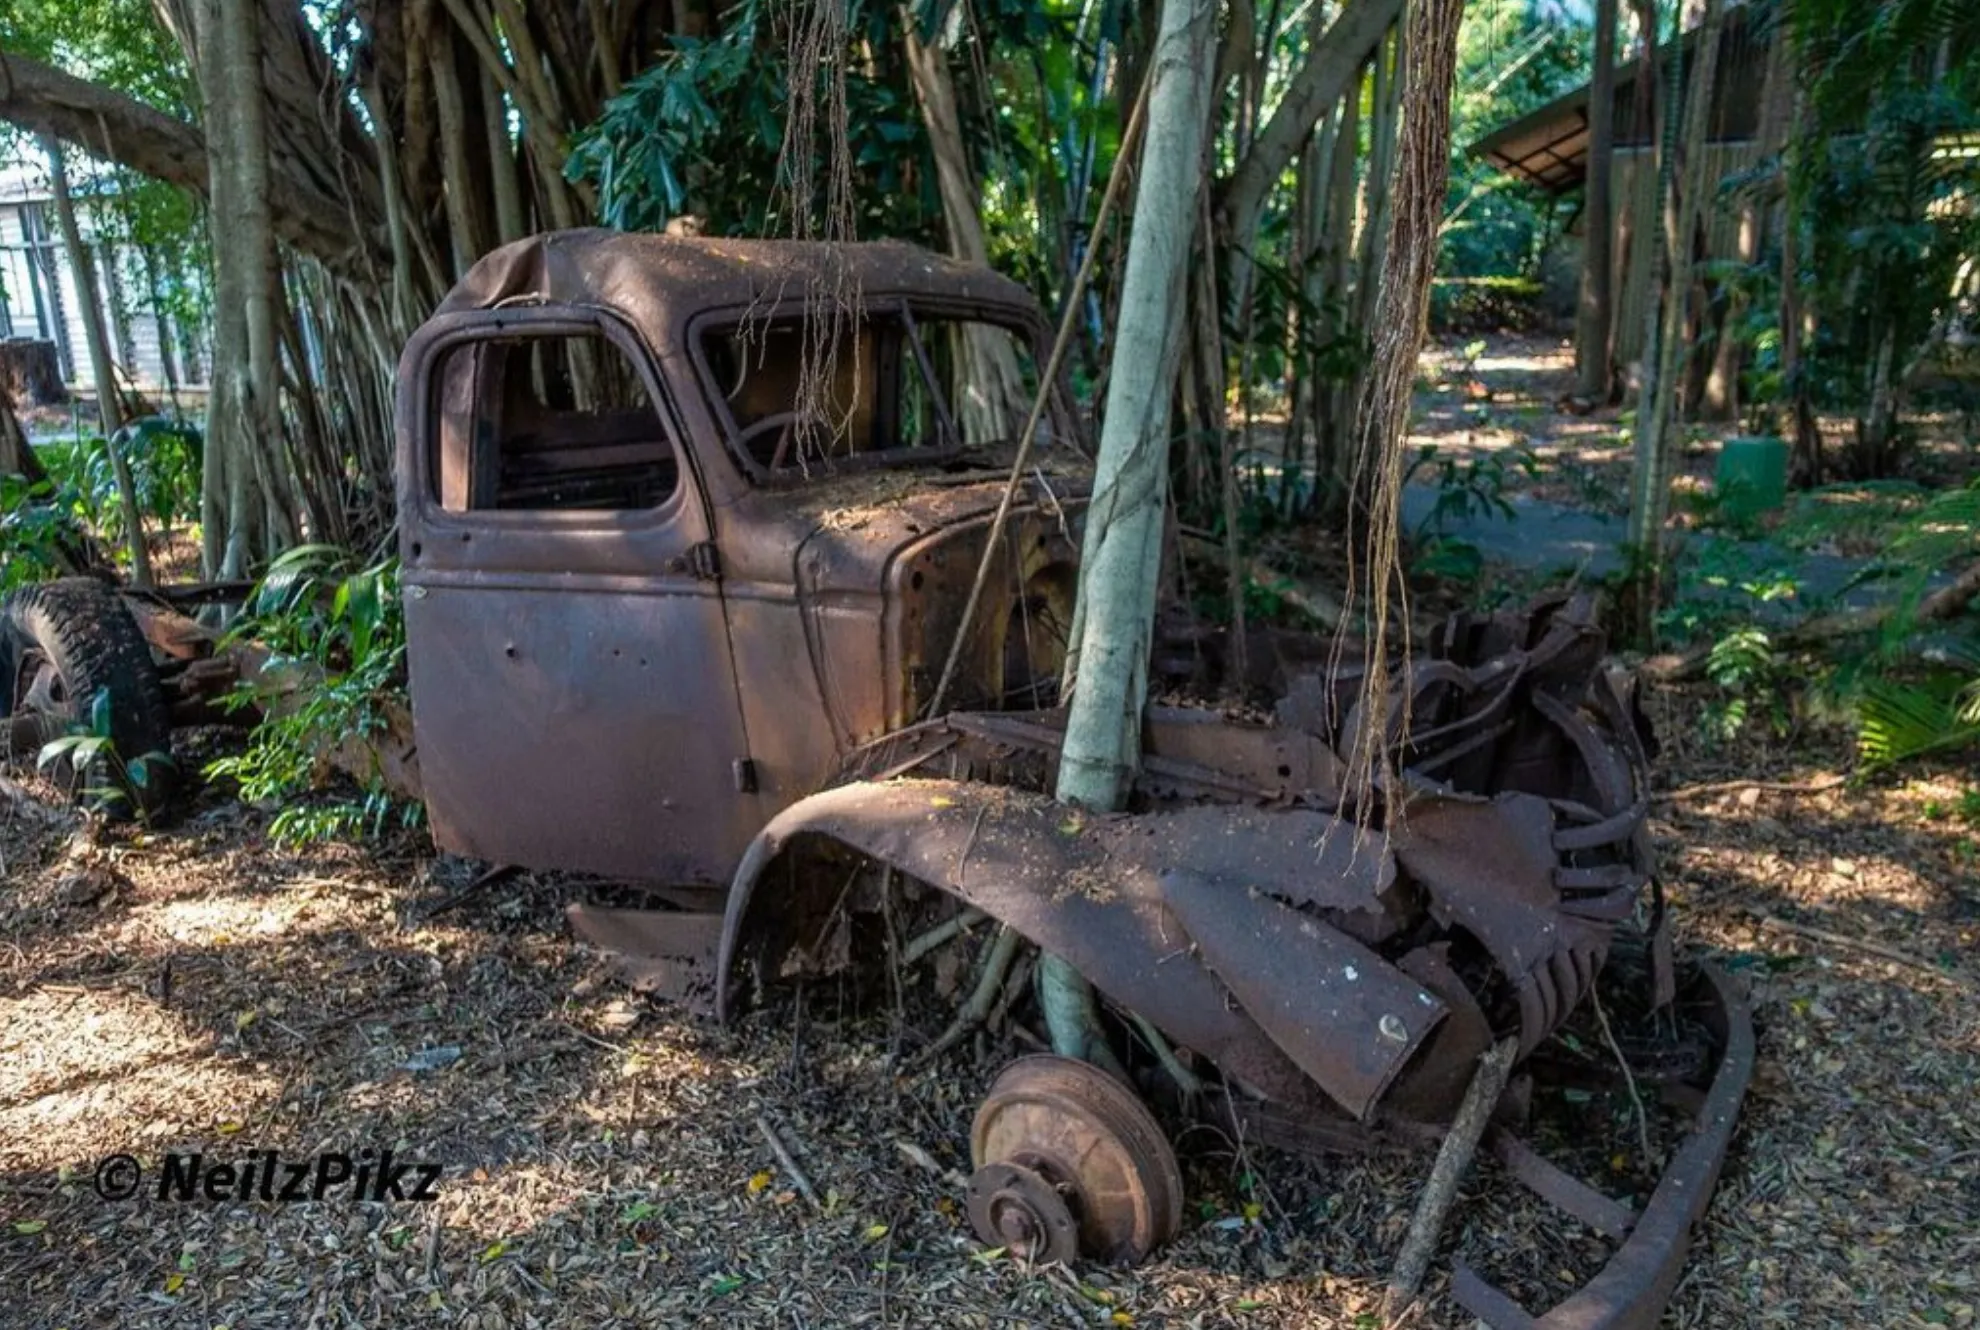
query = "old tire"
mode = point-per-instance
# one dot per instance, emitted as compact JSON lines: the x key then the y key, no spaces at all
{"x":72,"y":655}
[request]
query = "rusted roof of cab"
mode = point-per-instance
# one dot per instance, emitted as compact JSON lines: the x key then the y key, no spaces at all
{"x":658,"y":281}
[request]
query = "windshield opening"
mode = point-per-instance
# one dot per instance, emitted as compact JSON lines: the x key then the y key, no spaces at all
{"x":893,"y":387}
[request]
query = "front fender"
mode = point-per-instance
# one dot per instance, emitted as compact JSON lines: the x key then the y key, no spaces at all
{"x":1187,"y":917}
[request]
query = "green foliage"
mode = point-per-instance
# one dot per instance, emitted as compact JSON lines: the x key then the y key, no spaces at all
{"x":1898,"y":720}
{"x":39,"y":522}
{"x":104,"y":776}
{"x":1472,"y":487}
{"x":1466,"y":489}
{"x":1881,"y":186}
{"x":701,"y":131}
{"x":164,"y":460}
{"x":336,"y":630}
{"x":36,"y":524}
{"x":1513,"y":57}
{"x":1901,"y":714}
{"x":1747,"y":672}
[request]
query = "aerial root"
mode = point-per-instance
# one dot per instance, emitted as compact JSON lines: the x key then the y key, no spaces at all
{"x":946,"y":931}
{"x":989,"y":983}
{"x":1186,"y":1080}
{"x":1072,"y":1015}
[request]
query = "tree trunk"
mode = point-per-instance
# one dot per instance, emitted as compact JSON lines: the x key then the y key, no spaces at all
{"x":1335,"y":406}
{"x":1330,"y":67}
{"x":117,"y":128}
{"x":1644,"y":128}
{"x":1595,"y":318}
{"x":1776,"y":110}
{"x":1797,"y":321}
{"x":1124,"y":525}
{"x":1125,"y":517}
{"x":16,"y":453}
{"x":110,"y":407}
{"x":1664,"y":344}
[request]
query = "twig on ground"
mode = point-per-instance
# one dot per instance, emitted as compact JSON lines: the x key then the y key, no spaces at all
{"x":1453,"y":1159}
{"x":788,"y":1164}
{"x":1688,"y":792}
{"x":1629,"y":1077}
{"x":431,"y":1256}
{"x":591,"y":1038}
{"x":962,"y":864}
{"x":419,"y":914}
{"x":1774,"y":921}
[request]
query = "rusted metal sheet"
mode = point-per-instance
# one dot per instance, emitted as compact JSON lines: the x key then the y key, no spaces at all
{"x":1489,"y":867}
{"x":1346,"y":1016}
{"x":669,"y":953}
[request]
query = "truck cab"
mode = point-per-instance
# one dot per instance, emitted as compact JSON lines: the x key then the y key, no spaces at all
{"x":686,"y":522}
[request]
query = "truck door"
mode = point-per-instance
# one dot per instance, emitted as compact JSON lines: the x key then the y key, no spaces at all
{"x":574,"y":701}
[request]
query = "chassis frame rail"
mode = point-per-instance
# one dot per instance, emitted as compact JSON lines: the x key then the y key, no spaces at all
{"x":1631,"y":1291}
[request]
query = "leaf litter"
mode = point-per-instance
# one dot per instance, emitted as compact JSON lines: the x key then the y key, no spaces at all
{"x":606,"y":1171}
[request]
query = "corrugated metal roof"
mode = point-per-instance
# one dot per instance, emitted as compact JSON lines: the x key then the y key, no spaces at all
{"x":1549,"y":145}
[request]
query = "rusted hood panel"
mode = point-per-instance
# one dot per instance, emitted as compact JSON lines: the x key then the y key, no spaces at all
{"x":848,"y":534}
{"x":916,"y":550}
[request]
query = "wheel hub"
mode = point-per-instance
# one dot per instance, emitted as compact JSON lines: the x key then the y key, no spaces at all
{"x":1016,"y":1208}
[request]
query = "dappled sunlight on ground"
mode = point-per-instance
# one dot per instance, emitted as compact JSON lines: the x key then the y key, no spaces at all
{"x":194,"y":989}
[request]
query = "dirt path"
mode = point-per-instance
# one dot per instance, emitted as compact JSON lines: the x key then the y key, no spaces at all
{"x":195,"y":990}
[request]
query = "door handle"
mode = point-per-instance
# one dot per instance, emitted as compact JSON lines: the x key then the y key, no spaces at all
{"x":700,"y":561}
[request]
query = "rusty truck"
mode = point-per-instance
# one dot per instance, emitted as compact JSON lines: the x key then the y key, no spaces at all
{"x":688,"y":528}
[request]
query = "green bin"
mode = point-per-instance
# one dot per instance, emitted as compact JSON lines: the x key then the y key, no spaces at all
{"x":1752,"y":476}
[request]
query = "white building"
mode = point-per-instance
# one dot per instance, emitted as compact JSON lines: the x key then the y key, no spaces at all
{"x":38,"y":297}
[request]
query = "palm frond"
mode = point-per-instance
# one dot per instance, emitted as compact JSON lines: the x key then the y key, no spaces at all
{"x":1898,"y":721}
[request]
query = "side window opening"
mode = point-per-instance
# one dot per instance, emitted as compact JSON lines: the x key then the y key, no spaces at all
{"x":548,"y":422}
{"x":898,"y":386}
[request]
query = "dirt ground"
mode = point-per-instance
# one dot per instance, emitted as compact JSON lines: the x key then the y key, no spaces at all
{"x":192,"y":988}
{"x":1514,"y":398}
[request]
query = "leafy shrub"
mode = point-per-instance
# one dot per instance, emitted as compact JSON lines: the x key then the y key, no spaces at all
{"x":338,"y":631}
{"x":37,"y":525}
{"x":1466,"y":305}
{"x":104,"y":777}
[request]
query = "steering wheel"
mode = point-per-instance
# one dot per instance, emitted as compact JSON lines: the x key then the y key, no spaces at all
{"x":784,"y":424}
